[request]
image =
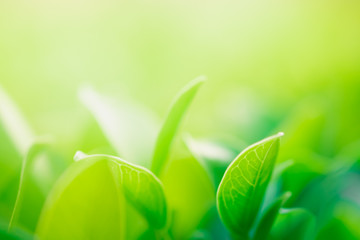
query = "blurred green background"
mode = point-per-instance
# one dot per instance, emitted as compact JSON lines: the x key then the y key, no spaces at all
{"x":271,"y":66}
{"x":262,"y":59}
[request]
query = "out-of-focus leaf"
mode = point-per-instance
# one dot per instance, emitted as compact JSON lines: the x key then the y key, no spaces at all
{"x":328,"y":188}
{"x":140,"y":187}
{"x":190,"y":194}
{"x":151,"y":234}
{"x":297,"y":224}
{"x":274,"y":188}
{"x":212,"y":225}
{"x":350,"y":190}
{"x":349,"y":213}
{"x":47,"y":167}
{"x":215,"y":158}
{"x":295,"y":179}
{"x":243,"y":186}
{"x":41,"y":168}
{"x":281,"y":167}
{"x":200,"y":235}
{"x":305,"y":125}
{"x":349,"y":156}
{"x":306,"y":141}
{"x":172,"y":123}
{"x":136,"y":223}
{"x":93,"y":139}
{"x":8,"y":196}
{"x":344,"y":224}
{"x":336,"y":229}
{"x":148,"y":234}
{"x":15,"y":124}
{"x":268,"y":218}
{"x":15,"y":234}
{"x":15,"y":138}
{"x":130,"y":129}
{"x":10,"y":159}
{"x":24,"y":172}
{"x":86,"y":203}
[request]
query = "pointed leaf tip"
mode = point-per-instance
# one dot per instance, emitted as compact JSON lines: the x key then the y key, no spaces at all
{"x":171,"y":124}
{"x":244,"y":183}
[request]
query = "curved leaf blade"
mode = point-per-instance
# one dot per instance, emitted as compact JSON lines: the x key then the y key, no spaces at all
{"x":172,"y":123}
{"x":214,"y":157}
{"x":140,"y":187}
{"x":130,"y":128}
{"x":243,"y":186}
{"x":84,"y":204}
{"x":16,"y":137}
{"x":15,"y":124}
{"x":15,"y":234}
{"x":274,"y":189}
{"x":33,"y":151}
{"x":40,"y":169}
{"x":297,"y":224}
{"x":190,"y":194}
{"x":269,"y":217}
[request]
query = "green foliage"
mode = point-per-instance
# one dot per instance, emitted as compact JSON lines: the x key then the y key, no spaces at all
{"x":243,"y":186}
{"x":171,"y":124}
{"x":15,"y":234}
{"x":113,"y":178}
{"x":296,"y":224}
{"x":188,"y":204}
{"x":173,"y":189}
{"x":40,"y":168}
{"x":268,"y":218}
{"x":214,"y":157}
{"x":129,"y":128}
{"x":15,"y":136}
{"x":75,"y":211}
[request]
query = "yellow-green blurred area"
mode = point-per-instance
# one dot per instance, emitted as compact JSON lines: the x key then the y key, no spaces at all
{"x":262,"y":60}
{"x":291,"y":66}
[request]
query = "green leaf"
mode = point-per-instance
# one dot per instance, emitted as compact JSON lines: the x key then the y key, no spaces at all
{"x":349,"y":213}
{"x":15,"y":124}
{"x":275,"y":187}
{"x":269,"y":217}
{"x":40,"y":168}
{"x":306,"y":140}
{"x":86,"y":203}
{"x":214,"y":157}
{"x":141,"y":187}
{"x":344,"y":223}
{"x":330,"y":189}
{"x":211,"y":223}
{"x":297,"y":178}
{"x":24,"y":173}
{"x":297,"y":224}
{"x":281,"y":167}
{"x":131,"y":129}
{"x":190,"y":194}
{"x":337,"y":229}
{"x":243,"y":186}
{"x":171,"y":124}
{"x":92,"y":189}
{"x":15,"y":234}
{"x":15,"y":137}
